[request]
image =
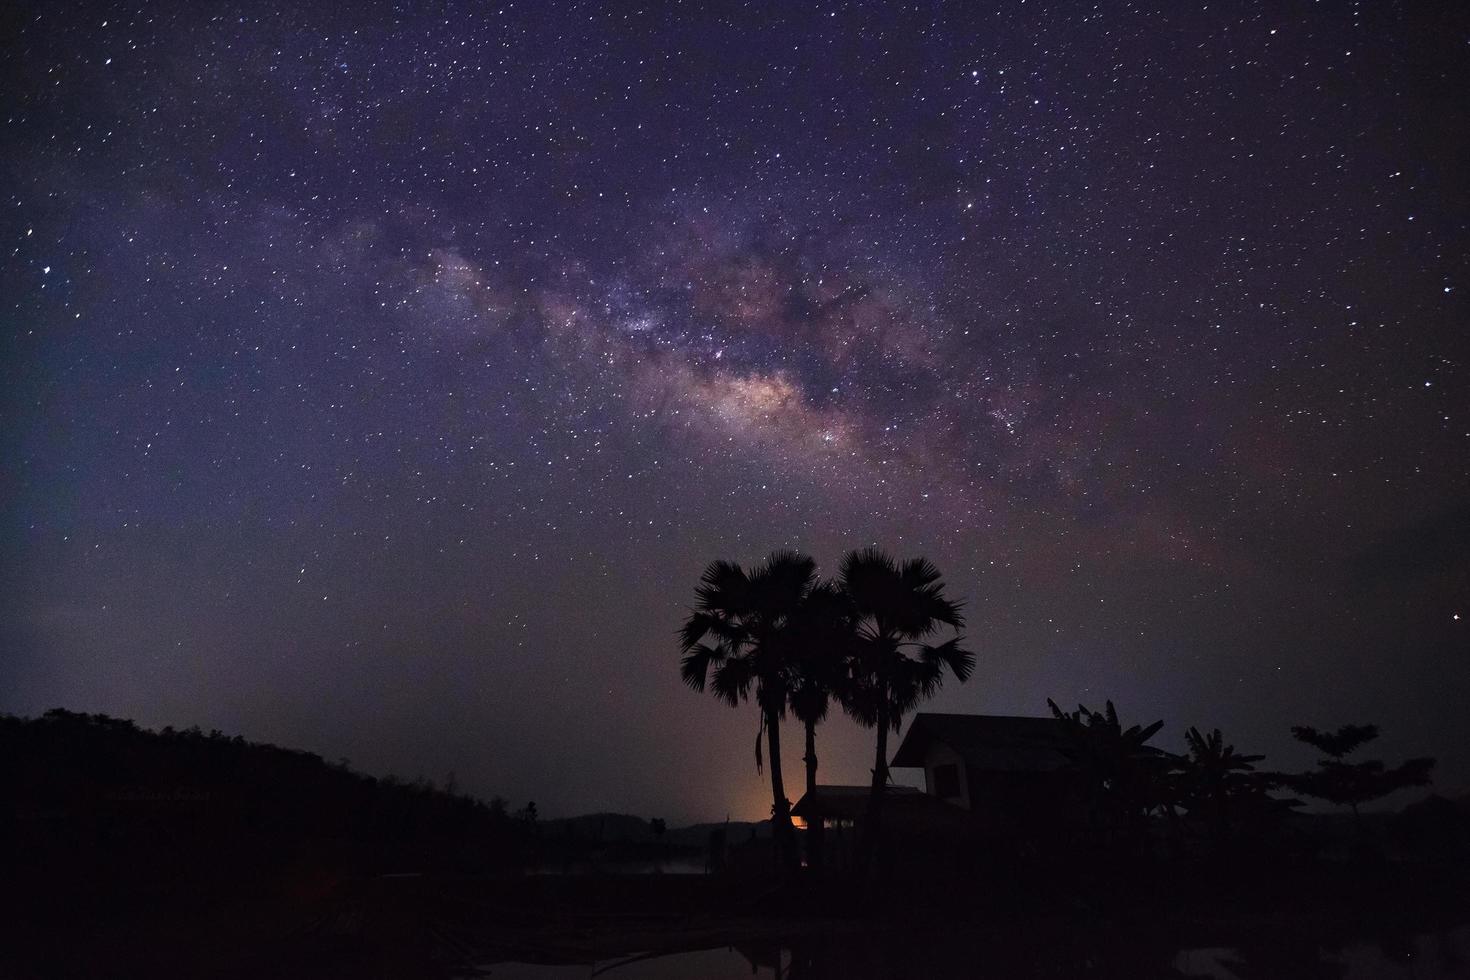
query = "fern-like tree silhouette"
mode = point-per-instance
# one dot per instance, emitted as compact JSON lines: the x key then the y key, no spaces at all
{"x":1351,"y":784}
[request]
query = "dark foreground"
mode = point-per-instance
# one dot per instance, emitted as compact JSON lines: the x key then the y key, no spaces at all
{"x":1102,"y":923}
{"x":128,"y":853}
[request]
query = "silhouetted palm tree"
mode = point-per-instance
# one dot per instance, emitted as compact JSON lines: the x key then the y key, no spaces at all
{"x":741,"y":629}
{"x":820,"y":644}
{"x":895,"y":608}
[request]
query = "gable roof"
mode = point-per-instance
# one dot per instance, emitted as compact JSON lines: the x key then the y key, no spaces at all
{"x":990,"y":743}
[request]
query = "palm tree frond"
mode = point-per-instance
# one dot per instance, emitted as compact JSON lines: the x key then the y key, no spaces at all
{"x":960,"y":662}
{"x":694,"y":668}
{"x":698,"y":626}
{"x":725,"y":587}
{"x":732,"y":680}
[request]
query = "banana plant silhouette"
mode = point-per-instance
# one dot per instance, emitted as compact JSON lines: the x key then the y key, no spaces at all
{"x":1212,"y":778}
{"x":1123,"y":778}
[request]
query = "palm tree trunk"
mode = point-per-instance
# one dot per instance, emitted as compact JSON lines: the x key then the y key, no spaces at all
{"x":811,"y":757}
{"x":880,"y":763}
{"x":873,"y":831}
{"x":781,"y":830}
{"x":814,"y":829}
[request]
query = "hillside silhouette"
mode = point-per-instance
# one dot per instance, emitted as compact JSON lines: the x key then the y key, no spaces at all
{"x":177,"y":815}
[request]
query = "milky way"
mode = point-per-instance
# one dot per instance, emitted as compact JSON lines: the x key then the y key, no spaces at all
{"x":379,"y":382}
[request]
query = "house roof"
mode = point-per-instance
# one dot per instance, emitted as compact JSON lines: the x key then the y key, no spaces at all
{"x":990,"y":743}
{"x":904,"y":807}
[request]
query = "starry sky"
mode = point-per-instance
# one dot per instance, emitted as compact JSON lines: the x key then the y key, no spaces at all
{"x":378,"y":380}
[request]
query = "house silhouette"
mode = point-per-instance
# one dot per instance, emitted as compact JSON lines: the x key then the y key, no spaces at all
{"x":985,"y":776}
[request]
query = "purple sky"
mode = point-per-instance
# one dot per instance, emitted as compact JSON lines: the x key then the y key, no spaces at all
{"x":379,"y":384}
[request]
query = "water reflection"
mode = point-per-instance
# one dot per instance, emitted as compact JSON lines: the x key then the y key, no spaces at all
{"x":714,"y":964}
{"x":1430,"y":957}
{"x":932,"y":953}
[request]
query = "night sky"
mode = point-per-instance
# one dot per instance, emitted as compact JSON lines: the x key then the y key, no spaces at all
{"x":379,"y":381}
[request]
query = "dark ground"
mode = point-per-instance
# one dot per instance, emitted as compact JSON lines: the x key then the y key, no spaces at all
{"x":1101,"y":923}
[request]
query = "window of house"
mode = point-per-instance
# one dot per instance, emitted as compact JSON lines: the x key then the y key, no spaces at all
{"x":947,"y":781}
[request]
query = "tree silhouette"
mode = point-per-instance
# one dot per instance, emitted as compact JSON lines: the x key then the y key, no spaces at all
{"x":1352,"y":783}
{"x":1213,"y":777}
{"x":820,"y":645}
{"x":738,"y":640}
{"x":895,"y":609}
{"x":1123,"y":777}
{"x":820,"y":641}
